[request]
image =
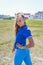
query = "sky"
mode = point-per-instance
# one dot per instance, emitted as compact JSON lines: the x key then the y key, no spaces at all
{"x":10,"y":7}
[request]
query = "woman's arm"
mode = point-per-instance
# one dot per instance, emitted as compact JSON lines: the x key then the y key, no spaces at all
{"x":31,"y":42}
{"x":13,"y":50}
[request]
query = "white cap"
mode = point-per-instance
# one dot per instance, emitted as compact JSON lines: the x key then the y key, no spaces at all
{"x":18,"y":14}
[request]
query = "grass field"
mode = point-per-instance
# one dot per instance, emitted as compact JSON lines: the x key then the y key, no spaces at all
{"x":7,"y":40}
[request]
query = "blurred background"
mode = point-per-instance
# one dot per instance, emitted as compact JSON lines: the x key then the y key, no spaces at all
{"x":33,"y":12}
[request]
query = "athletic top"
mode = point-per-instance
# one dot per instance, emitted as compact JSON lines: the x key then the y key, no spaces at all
{"x":23,"y":33}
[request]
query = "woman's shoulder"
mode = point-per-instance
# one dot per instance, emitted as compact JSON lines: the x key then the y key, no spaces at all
{"x":26,"y":28}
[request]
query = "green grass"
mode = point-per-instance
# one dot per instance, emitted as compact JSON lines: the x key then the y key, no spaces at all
{"x":7,"y":40}
{"x":35,"y":23}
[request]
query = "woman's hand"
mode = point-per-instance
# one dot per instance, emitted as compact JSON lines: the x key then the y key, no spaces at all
{"x":13,"y":50}
{"x":19,"y":45}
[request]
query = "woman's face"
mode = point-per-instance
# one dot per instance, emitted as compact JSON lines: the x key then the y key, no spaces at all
{"x":20,"y":21}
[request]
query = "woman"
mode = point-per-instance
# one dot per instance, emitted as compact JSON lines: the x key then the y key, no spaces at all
{"x":22,"y":33}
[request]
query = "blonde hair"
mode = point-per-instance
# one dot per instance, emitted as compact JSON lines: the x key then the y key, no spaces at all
{"x":16,"y":26}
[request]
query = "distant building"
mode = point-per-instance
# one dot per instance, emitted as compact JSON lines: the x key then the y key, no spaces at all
{"x":38,"y":15}
{"x":28,"y":16}
{"x":6,"y":17}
